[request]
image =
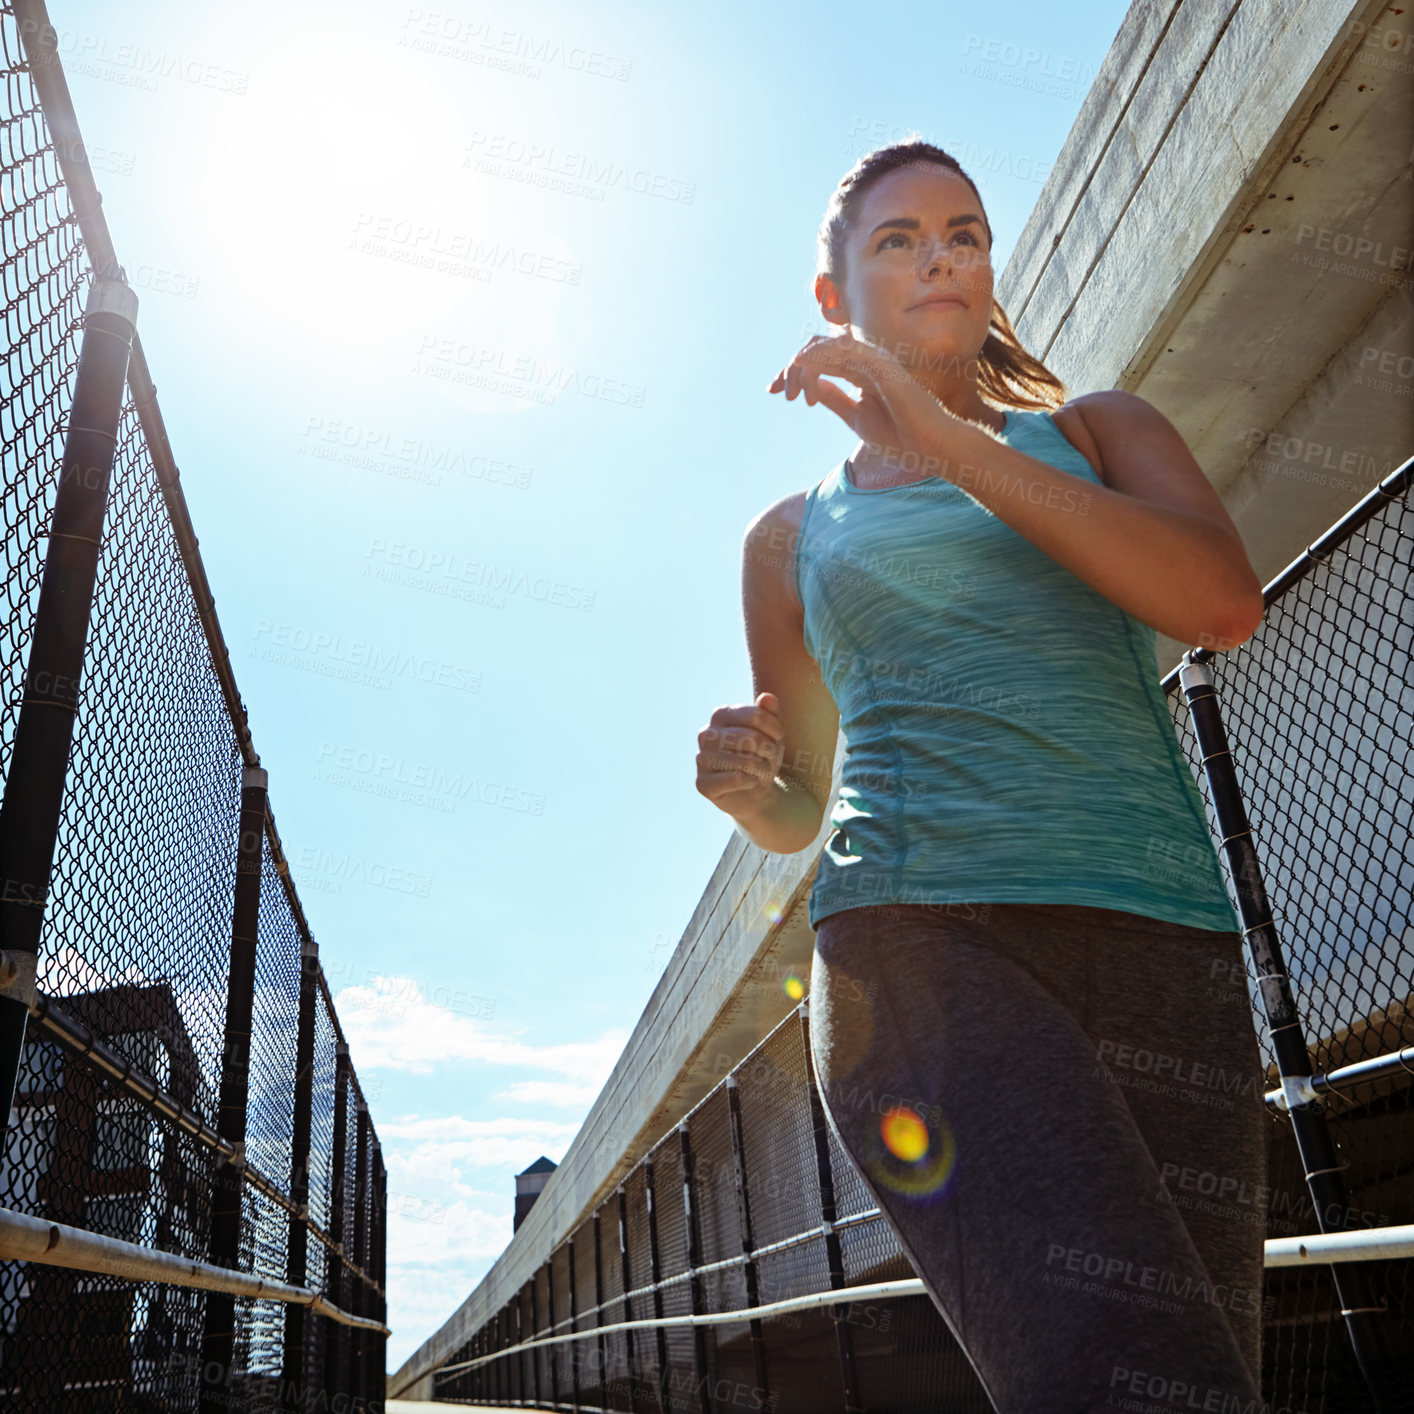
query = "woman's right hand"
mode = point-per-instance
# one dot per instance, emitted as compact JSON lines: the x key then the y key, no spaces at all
{"x":739,"y":754}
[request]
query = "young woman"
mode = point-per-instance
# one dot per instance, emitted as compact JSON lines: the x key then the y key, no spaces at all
{"x":1029,"y":1015}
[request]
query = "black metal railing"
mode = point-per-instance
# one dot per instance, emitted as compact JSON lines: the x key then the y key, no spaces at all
{"x":180,"y":1080}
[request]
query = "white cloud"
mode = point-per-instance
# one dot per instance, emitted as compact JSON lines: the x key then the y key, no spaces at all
{"x":549,"y":1092}
{"x":451,"y":1188}
{"x":451,"y":1211}
{"x":420,"y":1299}
{"x":459,"y":1127}
{"x":435,"y":1236}
{"x":66,"y":970}
{"x":392,"y":1025}
{"x":432,"y":1158}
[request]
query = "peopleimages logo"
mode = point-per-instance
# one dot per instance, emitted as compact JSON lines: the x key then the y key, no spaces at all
{"x":338,"y":869}
{"x":457,"y":252}
{"x":503,"y":154}
{"x":293,"y":644}
{"x":1181,"y":1394}
{"x":446,"y":572}
{"x":406,"y":457}
{"x":511,"y":50}
{"x":418,"y":782}
{"x":290,"y":1394}
{"x":135,"y":64}
{"x":461,"y":360}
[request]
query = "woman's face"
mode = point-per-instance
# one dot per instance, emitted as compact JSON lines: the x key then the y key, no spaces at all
{"x":920,"y":232}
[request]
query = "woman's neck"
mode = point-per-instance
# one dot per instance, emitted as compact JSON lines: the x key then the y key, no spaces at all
{"x":885,"y":464}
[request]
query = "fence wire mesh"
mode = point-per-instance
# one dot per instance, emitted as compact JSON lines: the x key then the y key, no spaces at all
{"x":1319,"y":706}
{"x":45,"y":281}
{"x":1319,"y":709}
{"x":137,"y":935}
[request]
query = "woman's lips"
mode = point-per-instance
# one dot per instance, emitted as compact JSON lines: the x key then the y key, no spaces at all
{"x":947,"y":302}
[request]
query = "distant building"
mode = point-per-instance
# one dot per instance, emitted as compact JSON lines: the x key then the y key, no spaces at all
{"x":529,"y":1182}
{"x":80,"y":1151}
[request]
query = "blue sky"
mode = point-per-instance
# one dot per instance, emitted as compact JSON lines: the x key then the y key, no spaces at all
{"x":462,"y":321}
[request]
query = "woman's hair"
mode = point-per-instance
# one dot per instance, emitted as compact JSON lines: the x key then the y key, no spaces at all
{"x":1006,"y":374}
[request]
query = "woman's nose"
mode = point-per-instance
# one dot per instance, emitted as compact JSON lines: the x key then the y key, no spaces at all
{"x":933,"y":255}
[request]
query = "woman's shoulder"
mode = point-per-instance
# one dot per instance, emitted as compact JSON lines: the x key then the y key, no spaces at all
{"x":772,"y":541}
{"x":787,"y":514}
{"x":1069,"y":420}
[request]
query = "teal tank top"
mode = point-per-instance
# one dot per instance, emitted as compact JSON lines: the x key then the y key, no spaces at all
{"x":1006,"y":737}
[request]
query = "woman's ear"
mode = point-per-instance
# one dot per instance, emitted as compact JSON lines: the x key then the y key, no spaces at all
{"x":828,"y":297}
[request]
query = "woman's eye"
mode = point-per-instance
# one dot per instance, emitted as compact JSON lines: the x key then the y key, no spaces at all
{"x":970,"y":237}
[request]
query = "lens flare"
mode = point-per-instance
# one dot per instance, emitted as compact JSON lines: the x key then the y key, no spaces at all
{"x":905,"y":1134}
{"x":792,"y":986}
{"x":913,"y":1157}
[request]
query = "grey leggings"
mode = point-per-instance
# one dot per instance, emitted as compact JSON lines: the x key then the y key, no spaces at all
{"x":1059,"y":1111}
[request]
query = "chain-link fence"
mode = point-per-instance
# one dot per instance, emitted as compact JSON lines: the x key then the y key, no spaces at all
{"x":751,"y":1201}
{"x":183,"y":1085}
{"x":1319,"y":711}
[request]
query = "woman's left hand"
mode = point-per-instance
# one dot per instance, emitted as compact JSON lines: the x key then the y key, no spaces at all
{"x":894,"y":415}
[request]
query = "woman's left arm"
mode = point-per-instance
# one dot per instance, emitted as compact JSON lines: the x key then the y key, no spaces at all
{"x":1155,"y":539}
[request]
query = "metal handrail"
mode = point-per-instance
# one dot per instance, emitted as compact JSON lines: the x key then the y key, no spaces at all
{"x":1371,"y":1245}
{"x":1366,"y":508}
{"x":81,"y":1041}
{"x":28,"y":1239}
{"x":1375,"y":1068}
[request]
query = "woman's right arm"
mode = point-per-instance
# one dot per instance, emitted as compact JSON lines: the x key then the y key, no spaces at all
{"x":770,"y":764}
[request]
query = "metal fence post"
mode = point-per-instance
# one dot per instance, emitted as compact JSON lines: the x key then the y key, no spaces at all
{"x":535,"y":1355}
{"x":849,"y":1371}
{"x":1365,"y":1322}
{"x":748,"y":1242}
{"x":518,"y":1383}
{"x":44,"y":733}
{"x":377,"y":1269}
{"x":299,"y":1322}
{"x":655,"y":1275}
{"x":575,"y":1347}
{"x":628,"y":1304}
{"x":218,"y":1338}
{"x":551,"y":1351}
{"x":370,"y":1296}
{"x":694,"y":1260}
{"x":358,"y":1363}
{"x":497,"y":1382}
{"x":599,"y":1306}
{"x":335,"y":1280}
{"x":503,"y":1339}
